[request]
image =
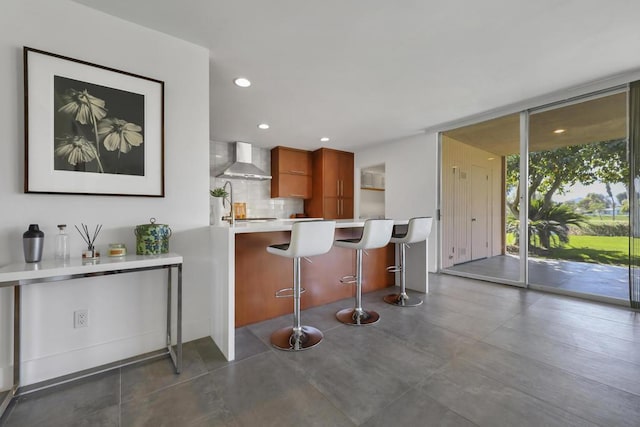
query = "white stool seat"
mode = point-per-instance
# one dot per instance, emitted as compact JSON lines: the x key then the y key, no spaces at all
{"x":308,"y":238}
{"x":375,"y":234}
{"x":418,"y":230}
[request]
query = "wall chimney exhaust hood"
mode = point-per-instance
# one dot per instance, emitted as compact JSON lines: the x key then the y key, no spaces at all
{"x":243,"y":168}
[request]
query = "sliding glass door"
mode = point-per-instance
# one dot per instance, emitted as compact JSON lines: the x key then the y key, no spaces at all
{"x":634,"y":193}
{"x":480,"y":197}
{"x":578,"y":201}
{"x":567,"y":226}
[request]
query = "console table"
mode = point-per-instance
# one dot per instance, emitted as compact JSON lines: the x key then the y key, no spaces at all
{"x":22,"y":274}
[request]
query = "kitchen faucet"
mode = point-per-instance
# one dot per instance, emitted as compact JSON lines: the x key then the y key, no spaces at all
{"x":231,"y":216}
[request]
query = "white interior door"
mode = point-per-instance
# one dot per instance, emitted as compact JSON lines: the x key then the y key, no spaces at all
{"x":479,"y":212}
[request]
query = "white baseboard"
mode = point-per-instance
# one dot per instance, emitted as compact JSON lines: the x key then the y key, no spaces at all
{"x":60,"y":364}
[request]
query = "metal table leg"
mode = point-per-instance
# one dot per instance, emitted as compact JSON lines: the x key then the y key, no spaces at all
{"x":176,"y":356}
{"x":179,"y":321}
{"x":16,"y":351}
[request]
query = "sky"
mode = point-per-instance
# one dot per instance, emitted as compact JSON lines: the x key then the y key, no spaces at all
{"x":580,"y":191}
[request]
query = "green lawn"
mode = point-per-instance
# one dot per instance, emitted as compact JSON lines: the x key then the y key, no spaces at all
{"x":597,"y":249}
{"x":613,"y":250}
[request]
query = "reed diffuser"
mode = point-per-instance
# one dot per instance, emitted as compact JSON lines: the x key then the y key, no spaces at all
{"x":89,"y":238}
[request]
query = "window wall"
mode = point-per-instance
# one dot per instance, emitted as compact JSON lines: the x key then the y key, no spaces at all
{"x":480,"y":196}
{"x":578,"y":197}
{"x":566,"y":227}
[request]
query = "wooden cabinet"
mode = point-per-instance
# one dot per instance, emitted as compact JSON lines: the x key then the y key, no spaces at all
{"x":332,"y":185}
{"x":291,"y":173}
{"x":334,"y":208}
{"x":345,"y":164}
{"x":259,"y":274}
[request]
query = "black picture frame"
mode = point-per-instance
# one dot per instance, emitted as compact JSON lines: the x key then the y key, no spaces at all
{"x":91,"y":129}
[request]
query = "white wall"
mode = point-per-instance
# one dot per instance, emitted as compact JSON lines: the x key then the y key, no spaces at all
{"x":411,"y":176}
{"x":126,"y":313}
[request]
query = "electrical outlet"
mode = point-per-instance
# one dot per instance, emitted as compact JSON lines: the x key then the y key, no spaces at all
{"x":81,"y":318}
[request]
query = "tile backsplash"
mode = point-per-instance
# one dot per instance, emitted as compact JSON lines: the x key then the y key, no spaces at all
{"x":256,"y":194}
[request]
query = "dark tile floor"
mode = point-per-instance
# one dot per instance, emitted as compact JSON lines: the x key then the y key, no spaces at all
{"x":473,"y":354}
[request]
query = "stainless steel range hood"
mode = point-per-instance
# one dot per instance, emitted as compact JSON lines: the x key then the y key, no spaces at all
{"x":243,"y":168}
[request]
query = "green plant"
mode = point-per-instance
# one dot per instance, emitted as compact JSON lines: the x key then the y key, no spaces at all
{"x":547,"y":226}
{"x":602,"y":228}
{"x":219,"y":192}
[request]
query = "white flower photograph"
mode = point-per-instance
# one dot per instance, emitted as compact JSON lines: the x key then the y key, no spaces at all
{"x":97,"y":129}
{"x":91,"y":129}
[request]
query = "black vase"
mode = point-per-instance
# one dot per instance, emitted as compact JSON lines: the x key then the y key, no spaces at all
{"x":33,"y":242}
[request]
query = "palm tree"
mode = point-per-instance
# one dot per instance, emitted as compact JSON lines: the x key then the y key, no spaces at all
{"x":547,"y":226}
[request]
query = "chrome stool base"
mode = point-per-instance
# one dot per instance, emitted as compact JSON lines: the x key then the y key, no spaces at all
{"x":351,"y":316}
{"x":285,"y":338}
{"x":402,"y":300}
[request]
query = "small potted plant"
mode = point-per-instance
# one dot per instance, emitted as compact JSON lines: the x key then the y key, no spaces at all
{"x":218,"y":194}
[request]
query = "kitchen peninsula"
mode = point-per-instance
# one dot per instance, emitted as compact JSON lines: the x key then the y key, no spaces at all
{"x":246,"y":277}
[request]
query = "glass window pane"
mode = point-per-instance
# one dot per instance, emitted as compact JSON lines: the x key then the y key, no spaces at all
{"x":578,"y":201}
{"x":480,"y":175}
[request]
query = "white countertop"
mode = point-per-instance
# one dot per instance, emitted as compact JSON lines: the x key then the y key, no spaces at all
{"x":287,"y":224}
{"x":50,"y":268}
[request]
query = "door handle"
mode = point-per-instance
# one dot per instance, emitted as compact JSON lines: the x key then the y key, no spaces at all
{"x":473,"y":219}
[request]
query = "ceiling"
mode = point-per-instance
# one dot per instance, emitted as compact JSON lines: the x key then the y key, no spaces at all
{"x":601,"y":119}
{"x":364,"y":72}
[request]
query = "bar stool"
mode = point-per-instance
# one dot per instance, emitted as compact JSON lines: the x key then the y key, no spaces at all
{"x":418,"y":230}
{"x":376,"y":234}
{"x":308,"y":238}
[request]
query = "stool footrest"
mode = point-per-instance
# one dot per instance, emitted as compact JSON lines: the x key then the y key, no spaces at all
{"x":349,"y":279}
{"x":280,"y":292}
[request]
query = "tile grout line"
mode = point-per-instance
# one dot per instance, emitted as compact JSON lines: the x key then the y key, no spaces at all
{"x":557,"y":340}
{"x":573,"y":374}
{"x":166,"y":387}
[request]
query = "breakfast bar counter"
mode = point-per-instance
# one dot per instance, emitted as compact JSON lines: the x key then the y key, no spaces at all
{"x":242,"y":227}
{"x":245,"y":276}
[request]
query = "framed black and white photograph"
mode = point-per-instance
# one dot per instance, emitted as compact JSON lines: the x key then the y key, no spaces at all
{"x":91,"y":129}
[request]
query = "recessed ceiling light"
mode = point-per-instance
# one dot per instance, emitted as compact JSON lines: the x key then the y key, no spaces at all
{"x":263,"y":126}
{"x":491,"y":158}
{"x":242,"y":82}
{"x":559,"y":131}
{"x":324,"y":139}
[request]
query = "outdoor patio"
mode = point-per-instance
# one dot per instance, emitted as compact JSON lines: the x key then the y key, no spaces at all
{"x":588,"y":278}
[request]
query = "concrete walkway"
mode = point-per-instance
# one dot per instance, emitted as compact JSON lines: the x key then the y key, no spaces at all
{"x":589,"y":278}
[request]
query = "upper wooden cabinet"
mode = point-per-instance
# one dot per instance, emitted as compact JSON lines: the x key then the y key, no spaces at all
{"x":332,"y":185}
{"x":291,"y":160}
{"x":291,"y":173}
